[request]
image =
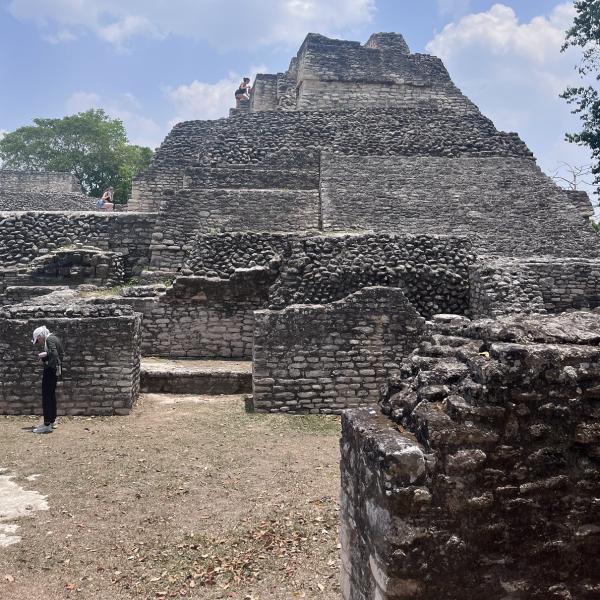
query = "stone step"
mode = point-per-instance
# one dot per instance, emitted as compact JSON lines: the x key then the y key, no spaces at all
{"x":188,"y":376}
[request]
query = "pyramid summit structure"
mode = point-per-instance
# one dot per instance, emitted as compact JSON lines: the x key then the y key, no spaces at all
{"x":359,"y":138}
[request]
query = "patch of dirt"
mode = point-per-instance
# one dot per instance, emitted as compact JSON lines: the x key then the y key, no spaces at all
{"x":188,"y":497}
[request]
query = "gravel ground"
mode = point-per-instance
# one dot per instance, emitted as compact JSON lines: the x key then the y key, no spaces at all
{"x":187,"y":497}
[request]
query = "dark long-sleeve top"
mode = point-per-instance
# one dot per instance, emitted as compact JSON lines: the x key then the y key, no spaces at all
{"x":55,"y":352}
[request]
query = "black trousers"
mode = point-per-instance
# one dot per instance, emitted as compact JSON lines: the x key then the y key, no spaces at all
{"x":49,"y":395}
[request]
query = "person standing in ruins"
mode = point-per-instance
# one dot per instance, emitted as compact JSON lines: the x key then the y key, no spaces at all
{"x":51,"y":357}
{"x":243,"y":92}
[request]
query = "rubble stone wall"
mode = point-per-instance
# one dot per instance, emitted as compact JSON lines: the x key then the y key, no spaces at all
{"x":483,"y":481}
{"x":432,"y":271}
{"x":101,"y":368}
{"x":27,"y":235}
{"x":76,"y":265}
{"x":313,"y":269}
{"x":325,"y":358}
{"x":506,"y":205}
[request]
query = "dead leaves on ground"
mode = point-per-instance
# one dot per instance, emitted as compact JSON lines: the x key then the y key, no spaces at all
{"x":280,"y":544}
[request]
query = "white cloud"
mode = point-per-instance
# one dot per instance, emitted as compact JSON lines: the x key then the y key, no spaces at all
{"x":515,"y":71}
{"x":201,"y":100}
{"x":141,"y":130}
{"x":224,"y":24}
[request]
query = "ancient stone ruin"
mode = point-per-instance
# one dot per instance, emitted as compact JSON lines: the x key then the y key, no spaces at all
{"x":362,"y":237}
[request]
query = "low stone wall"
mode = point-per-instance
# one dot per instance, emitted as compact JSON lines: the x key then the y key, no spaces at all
{"x":101,"y":368}
{"x":27,"y":235}
{"x":498,"y":287}
{"x":200,"y":317}
{"x":323,"y":359}
{"x":545,"y":284}
{"x":483,"y":482}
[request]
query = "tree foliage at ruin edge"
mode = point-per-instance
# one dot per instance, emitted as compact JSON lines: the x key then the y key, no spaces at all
{"x":90,"y":145}
{"x":585,"y":34}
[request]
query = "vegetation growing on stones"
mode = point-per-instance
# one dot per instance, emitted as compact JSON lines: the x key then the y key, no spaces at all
{"x":90,"y":145}
{"x":585,"y":34}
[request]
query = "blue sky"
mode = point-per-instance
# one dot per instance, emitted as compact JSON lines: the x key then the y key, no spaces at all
{"x":153,"y":62}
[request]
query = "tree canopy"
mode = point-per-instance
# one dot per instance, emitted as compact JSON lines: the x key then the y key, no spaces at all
{"x":90,"y":145}
{"x":585,"y":34}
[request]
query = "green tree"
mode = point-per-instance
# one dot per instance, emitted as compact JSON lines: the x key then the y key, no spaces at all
{"x":90,"y":145}
{"x":585,"y":34}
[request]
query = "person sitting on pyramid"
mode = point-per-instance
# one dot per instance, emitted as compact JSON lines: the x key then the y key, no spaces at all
{"x":243,"y":92}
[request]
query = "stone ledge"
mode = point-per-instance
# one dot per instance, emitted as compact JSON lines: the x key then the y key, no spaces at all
{"x":195,"y":376}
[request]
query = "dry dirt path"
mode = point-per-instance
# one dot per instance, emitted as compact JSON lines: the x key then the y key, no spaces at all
{"x":188,"y":497}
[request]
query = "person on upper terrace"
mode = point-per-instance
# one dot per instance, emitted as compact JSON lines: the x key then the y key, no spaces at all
{"x":107,"y":202}
{"x":243,"y":92}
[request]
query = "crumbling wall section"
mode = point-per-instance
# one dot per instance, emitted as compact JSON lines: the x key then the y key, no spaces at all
{"x":200,"y":317}
{"x":482,"y":483}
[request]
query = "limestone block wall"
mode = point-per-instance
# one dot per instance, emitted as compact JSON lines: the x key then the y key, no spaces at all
{"x":382,"y":58}
{"x":483,"y":481}
{"x":507,"y":205}
{"x":293,"y":170}
{"x":199,"y":317}
{"x":502,"y":286}
{"x":264,"y":93}
{"x":101,"y":363}
{"x":27,"y":235}
{"x":38,"y":181}
{"x":315,"y":94}
{"x":325,"y":358}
